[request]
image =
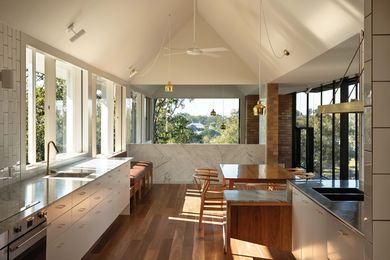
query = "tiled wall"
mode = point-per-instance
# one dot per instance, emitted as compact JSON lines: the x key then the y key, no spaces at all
{"x":285,"y":129}
{"x":252,"y":122}
{"x":10,"y":58}
{"x":377,"y":127}
{"x":272,"y":123}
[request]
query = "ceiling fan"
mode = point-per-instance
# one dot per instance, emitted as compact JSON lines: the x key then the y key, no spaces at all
{"x":194,"y":50}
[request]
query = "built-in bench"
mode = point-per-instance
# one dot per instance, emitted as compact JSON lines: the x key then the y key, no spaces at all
{"x":141,"y":179}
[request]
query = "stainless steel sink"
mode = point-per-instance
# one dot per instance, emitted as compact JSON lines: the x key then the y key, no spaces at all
{"x":341,"y":194}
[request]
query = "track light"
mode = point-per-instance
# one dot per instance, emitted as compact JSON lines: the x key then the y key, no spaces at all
{"x":76,"y":34}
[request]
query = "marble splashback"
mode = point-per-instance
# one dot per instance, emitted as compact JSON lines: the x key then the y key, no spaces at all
{"x":175,"y":163}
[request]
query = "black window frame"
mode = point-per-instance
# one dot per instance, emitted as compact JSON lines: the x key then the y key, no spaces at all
{"x":344,"y":128}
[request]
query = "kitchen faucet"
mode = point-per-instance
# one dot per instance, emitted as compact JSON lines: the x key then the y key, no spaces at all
{"x":48,"y":156}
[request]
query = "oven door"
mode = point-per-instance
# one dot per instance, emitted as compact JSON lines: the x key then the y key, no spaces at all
{"x":30,"y":246}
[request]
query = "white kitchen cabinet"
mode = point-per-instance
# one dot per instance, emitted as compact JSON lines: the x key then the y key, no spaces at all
{"x":95,"y":207}
{"x":343,"y":243}
{"x":317,"y":234}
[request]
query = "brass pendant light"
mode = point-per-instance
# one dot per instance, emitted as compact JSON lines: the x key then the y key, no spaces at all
{"x":223,"y":126}
{"x":169,"y":87}
{"x":213,"y":113}
{"x":259,"y":109}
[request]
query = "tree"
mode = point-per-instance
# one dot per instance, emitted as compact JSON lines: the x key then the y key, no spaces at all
{"x":230,"y":134}
{"x":170,"y":127}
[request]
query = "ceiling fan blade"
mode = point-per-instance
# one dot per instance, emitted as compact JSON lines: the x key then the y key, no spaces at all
{"x":173,"y":49}
{"x":175,"y":53}
{"x":208,"y":54}
{"x":220,"y":49}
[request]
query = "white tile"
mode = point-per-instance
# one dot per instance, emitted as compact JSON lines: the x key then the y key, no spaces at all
{"x":381,"y":150}
{"x":381,"y":58}
{"x":367,"y":7}
{"x":381,"y":205}
{"x":367,"y":38}
{"x":381,"y":104}
{"x":381,"y":18}
{"x":381,"y":239}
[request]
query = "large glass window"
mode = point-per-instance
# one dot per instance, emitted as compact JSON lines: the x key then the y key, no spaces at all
{"x":189,"y":120}
{"x":328,"y":130}
{"x":53,"y":106}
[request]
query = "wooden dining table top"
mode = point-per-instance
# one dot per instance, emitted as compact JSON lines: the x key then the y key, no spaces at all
{"x":251,"y":172}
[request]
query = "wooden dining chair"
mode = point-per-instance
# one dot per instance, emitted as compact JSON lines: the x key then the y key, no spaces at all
{"x":210,"y":200}
{"x":210,"y":173}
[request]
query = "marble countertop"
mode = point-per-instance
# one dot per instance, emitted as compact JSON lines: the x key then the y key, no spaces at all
{"x":254,"y":196}
{"x":349,"y":212}
{"x":41,"y":191}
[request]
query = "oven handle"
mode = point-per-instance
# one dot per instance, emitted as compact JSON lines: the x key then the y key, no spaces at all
{"x":30,"y":238}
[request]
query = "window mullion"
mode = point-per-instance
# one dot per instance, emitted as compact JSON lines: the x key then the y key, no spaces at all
{"x":50,"y":92}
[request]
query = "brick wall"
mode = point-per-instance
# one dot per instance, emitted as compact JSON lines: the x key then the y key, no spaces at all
{"x":252,"y":122}
{"x":272,"y":123}
{"x":285,"y":129}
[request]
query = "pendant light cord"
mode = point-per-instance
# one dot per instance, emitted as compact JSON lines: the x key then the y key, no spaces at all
{"x":194,"y":26}
{"x":267,"y":32}
{"x":259,"y":61}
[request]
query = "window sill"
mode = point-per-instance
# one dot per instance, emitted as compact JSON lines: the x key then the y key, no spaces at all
{"x":59,"y":161}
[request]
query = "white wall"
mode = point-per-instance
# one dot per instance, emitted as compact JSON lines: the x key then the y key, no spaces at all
{"x":10,"y":58}
{"x":175,"y":163}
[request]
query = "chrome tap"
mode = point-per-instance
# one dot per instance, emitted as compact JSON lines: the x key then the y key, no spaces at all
{"x":48,"y":156}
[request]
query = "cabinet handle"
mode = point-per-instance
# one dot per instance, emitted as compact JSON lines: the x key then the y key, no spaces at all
{"x":82,"y":193}
{"x":305,"y":201}
{"x":98,"y":183}
{"x":342,"y":233}
{"x":60,"y":206}
{"x":97,"y":198}
{"x":319,"y":211}
{"x":60,"y":245}
{"x":109,"y":201}
{"x":81,"y":226}
{"x":97,"y":212}
{"x":81,"y":209}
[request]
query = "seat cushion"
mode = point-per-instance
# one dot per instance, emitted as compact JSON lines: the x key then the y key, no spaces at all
{"x":137,"y":172}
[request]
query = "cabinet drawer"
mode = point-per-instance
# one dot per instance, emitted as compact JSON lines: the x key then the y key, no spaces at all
{"x":81,"y":209}
{"x":59,"y":208}
{"x":96,"y":198}
{"x":83,"y":193}
{"x":59,"y":226}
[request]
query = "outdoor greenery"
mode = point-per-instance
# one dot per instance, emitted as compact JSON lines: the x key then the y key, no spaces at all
{"x":170,"y":126}
{"x":40,"y":116}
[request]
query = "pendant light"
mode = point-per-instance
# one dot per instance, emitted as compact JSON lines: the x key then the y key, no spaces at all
{"x":169,"y":87}
{"x":213,"y":113}
{"x":223,"y":126}
{"x":259,"y":108}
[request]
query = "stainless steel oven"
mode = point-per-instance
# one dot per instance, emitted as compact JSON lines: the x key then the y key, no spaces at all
{"x":31,"y":246}
{"x":27,"y":238}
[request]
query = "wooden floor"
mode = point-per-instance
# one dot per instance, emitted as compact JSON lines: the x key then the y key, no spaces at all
{"x":164,"y":225}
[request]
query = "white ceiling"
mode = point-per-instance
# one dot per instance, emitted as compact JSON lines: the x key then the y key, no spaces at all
{"x":120,"y":33}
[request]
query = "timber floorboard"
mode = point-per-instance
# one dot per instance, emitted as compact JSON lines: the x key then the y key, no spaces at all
{"x":164,"y":225}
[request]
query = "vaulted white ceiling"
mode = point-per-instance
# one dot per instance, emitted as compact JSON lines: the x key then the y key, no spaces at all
{"x":121,"y":33}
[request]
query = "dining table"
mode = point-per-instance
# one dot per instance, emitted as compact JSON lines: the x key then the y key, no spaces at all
{"x":254,"y":173}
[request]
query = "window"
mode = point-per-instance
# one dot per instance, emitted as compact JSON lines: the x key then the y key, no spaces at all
{"x":53,"y":106}
{"x":108,"y":116}
{"x":335,"y":137}
{"x":188,"y":120}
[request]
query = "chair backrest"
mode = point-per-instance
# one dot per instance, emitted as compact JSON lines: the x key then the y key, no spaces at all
{"x":205,"y":174}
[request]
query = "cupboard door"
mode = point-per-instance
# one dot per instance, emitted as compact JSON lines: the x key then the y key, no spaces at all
{"x":59,"y":226}
{"x":343,"y":243}
{"x":297,"y":224}
{"x":59,"y":208}
{"x":318,"y":232}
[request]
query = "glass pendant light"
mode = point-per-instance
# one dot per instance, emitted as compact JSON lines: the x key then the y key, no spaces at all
{"x":169,"y":87}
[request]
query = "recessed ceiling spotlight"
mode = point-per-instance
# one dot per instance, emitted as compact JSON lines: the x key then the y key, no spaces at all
{"x":76,"y":34}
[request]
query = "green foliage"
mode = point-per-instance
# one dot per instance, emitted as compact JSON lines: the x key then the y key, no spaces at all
{"x":40,"y":116}
{"x":171,"y":127}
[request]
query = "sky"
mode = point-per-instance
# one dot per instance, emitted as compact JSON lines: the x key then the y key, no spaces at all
{"x":203,"y":106}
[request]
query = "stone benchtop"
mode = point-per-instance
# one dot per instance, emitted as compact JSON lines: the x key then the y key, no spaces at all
{"x":41,"y":191}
